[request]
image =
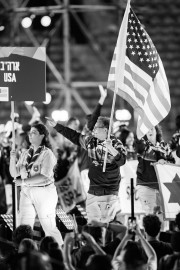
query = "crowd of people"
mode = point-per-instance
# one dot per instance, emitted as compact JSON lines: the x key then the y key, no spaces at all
{"x":45,"y":152}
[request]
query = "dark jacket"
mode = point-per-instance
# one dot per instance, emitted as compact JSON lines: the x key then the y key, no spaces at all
{"x":101,"y":183}
{"x":147,"y":155}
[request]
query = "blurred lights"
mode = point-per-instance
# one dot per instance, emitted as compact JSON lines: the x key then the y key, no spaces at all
{"x":45,"y":21}
{"x":48,"y":98}
{"x":26,"y":22}
{"x":2,"y":27}
{"x":123,"y":115}
{"x":60,"y":115}
{"x":29,"y":102}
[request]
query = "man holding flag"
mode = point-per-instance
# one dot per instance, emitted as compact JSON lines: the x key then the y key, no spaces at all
{"x":102,"y":198}
{"x":138,"y":76}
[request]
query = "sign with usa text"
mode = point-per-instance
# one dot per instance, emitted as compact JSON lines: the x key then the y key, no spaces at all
{"x":22,"y":73}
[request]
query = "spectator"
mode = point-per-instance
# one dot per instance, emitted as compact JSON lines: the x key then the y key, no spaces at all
{"x":152,"y":226}
{"x":20,"y":233}
{"x":32,"y":260}
{"x":97,"y":262}
{"x":45,"y":243}
{"x":172,"y":262}
{"x":49,"y":245}
{"x":130,"y":255}
{"x":78,"y":257}
{"x":27,"y":245}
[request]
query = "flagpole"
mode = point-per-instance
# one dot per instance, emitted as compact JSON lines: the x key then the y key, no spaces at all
{"x":110,"y":127}
{"x":121,"y":45}
{"x":14,"y":188}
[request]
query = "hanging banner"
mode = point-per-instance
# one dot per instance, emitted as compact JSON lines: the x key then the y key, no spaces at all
{"x":128,"y":171}
{"x":169,"y":184}
{"x":22,"y":73}
{"x":70,"y":189}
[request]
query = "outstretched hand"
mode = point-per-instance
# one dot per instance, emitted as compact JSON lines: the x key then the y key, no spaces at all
{"x":51,"y":122}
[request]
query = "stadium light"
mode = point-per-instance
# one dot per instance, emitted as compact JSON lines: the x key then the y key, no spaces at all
{"x":2,"y":27}
{"x":60,"y":115}
{"x":123,"y":115}
{"x":46,"y":21}
{"x":26,"y":22}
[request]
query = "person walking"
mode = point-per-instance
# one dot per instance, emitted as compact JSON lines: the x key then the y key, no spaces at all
{"x":38,"y":192}
{"x":102,"y":199}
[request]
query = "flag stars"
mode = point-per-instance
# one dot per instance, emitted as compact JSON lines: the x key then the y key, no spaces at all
{"x":129,"y":39}
{"x":139,"y":53}
{"x":147,"y":60}
{"x":150,"y":66}
{"x":137,"y":46}
{"x":141,"y":60}
{"x":131,"y":46}
{"x":133,"y":53}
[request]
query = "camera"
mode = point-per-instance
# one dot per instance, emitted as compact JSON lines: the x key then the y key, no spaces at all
{"x":79,"y":239}
{"x":131,"y":225}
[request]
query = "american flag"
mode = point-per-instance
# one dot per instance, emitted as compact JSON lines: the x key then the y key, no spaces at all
{"x":137,"y":74}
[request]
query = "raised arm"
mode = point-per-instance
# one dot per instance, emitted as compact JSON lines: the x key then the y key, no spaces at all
{"x":97,"y":111}
{"x":68,"y":246}
{"x":67,"y":132}
{"x":92,"y":242}
{"x":152,"y":259}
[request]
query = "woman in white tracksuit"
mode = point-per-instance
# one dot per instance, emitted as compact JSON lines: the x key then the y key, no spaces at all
{"x":38,"y":192}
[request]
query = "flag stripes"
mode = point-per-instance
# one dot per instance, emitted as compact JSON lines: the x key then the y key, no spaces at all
{"x":142,"y":82}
